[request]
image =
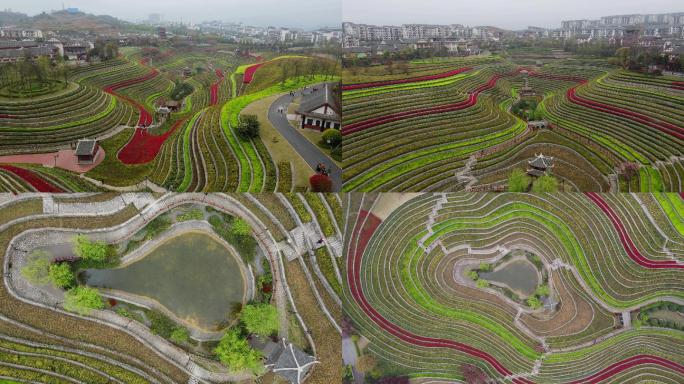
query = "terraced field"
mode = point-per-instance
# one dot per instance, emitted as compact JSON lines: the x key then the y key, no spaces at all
{"x":42,"y":341}
{"x":446,"y":125}
{"x":418,"y":302}
{"x":195,"y":149}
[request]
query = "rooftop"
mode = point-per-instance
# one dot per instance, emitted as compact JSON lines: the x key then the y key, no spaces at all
{"x":541,"y":161}
{"x":85,"y":147}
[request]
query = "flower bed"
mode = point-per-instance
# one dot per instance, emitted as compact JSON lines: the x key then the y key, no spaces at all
{"x":145,"y":116}
{"x":249,"y":73}
{"x":144,"y":146}
{"x":30,"y":177}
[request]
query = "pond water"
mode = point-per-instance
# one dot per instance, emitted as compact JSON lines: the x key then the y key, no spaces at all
{"x":519,"y":275}
{"x":192,"y":275}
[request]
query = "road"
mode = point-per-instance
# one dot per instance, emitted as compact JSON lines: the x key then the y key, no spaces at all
{"x":309,"y":151}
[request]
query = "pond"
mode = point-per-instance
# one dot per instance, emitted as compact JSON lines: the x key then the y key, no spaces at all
{"x":192,"y":275}
{"x":518,"y":275}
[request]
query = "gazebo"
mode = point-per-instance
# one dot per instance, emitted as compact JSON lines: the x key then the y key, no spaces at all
{"x":288,"y":361}
{"x":86,"y":149}
{"x":539,"y":165}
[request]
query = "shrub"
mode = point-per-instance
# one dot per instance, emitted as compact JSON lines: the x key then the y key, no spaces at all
{"x":36,"y":268}
{"x":61,"y":275}
{"x":161,"y":324}
{"x":261,"y":319}
{"x":482,"y":283}
{"x":473,"y":275}
{"x":320,"y":183}
{"x":484,"y":267}
{"x":332,"y":137}
{"x":248,"y":128}
{"x":83,"y":300}
{"x":234,"y":352}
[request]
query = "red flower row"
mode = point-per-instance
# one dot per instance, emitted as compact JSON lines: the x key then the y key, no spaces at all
{"x":214,"y":88}
{"x":349,"y":87}
{"x":145,"y":116}
{"x":144,"y":147}
{"x":32,"y":178}
{"x":249,"y":73}
{"x":662,"y":126}
{"x":679,"y":85}
{"x":626,"y":240}
{"x":472,"y":100}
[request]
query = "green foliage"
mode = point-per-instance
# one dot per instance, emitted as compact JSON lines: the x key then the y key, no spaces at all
{"x":245,"y":245}
{"x":36,"y":268}
{"x":482,"y":283}
{"x":473,"y":275}
{"x":248,"y":128}
{"x":332,"y":137}
{"x":123,"y":312}
{"x":545,"y":183}
{"x":518,"y":181}
{"x":240,"y":227}
{"x":161,"y":324}
{"x":534,"y":302}
{"x":90,"y":250}
{"x":61,"y":275}
{"x":192,"y":214}
{"x":261,"y":319}
{"x":484,"y":267}
{"x":180,"y":335}
{"x":181,"y":90}
{"x":82,"y":300}
{"x":234,"y":352}
{"x":542,"y":290}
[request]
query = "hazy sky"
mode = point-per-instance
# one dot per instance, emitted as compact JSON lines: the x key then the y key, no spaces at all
{"x":293,"y":13}
{"x":509,"y":14}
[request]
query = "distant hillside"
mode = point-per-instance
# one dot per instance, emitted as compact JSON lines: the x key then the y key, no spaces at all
{"x":12,"y":18}
{"x":62,"y":20}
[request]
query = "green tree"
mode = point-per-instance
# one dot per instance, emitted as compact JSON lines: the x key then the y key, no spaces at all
{"x":240,"y":227}
{"x":332,"y":137}
{"x":545,"y":183}
{"x":518,"y":181}
{"x":90,"y":250}
{"x":234,"y":352}
{"x":180,"y":335}
{"x":473,"y":275}
{"x":82,"y":300}
{"x":36,"y":270}
{"x":61,"y":275}
{"x":482,"y":283}
{"x":484,"y":267}
{"x":248,"y":128}
{"x":542,"y":290}
{"x":261,"y":319}
{"x":534,"y":302}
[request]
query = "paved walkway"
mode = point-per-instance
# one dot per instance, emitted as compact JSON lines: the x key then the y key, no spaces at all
{"x":65,"y":159}
{"x":309,"y":151}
